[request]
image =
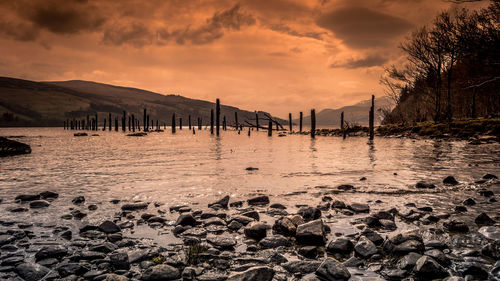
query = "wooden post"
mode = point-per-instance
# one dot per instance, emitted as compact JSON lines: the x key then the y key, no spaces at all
{"x":194,"y":131}
{"x":277,"y":128}
{"x":313,"y":123}
{"x":290,"y":121}
{"x":64,"y":125}
{"x":116,"y":124}
{"x":124,"y":118}
{"x":217,"y":117}
{"x":372,"y":118}
{"x":96,"y":122}
{"x":157,"y":126}
{"x":211,"y":121}
{"x":342,"y":128}
{"x":129,"y":123}
{"x":82,"y":125}
{"x":104,"y":127}
{"x":236,"y":120}
{"x":248,"y":131}
{"x":257,"y":120}
{"x":270,"y":128}
{"x":145,"y":121}
{"x":180,"y":123}
{"x":199,"y":123}
{"x":189,"y":121}
{"x":88,"y":122}
{"x":224,"y":123}
{"x":300,"y":122}
{"x":133,"y":123}
{"x":110,"y":122}
{"x":152,"y":124}
{"x":173,"y":123}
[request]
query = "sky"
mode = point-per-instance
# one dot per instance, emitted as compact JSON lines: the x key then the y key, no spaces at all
{"x":278,"y":56}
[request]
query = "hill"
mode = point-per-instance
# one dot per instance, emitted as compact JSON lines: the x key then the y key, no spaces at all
{"x":29,"y":103}
{"x":355,"y":114}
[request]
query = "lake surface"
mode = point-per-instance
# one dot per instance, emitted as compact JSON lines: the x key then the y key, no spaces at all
{"x":186,"y":168}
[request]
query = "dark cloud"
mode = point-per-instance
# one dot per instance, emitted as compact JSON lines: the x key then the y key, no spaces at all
{"x":20,"y":31}
{"x":368,"y":61}
{"x":361,"y":28}
{"x":135,"y":34}
{"x":288,"y":30}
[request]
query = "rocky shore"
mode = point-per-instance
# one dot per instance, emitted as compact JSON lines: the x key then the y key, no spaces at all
{"x":254,"y":238}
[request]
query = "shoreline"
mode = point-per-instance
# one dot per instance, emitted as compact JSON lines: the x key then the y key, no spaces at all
{"x":255,"y":238}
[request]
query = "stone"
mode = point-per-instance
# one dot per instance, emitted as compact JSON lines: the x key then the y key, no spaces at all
{"x":408,"y":262}
{"x":460,"y":209}
{"x":134,"y":206}
{"x":120,"y":261}
{"x":301,"y":266}
{"x":274,"y":241}
{"x":311,"y":233}
{"x":49,"y":195}
{"x":28,"y":197}
{"x":309,"y":213}
{"x":256,"y":230}
{"x":489,"y":177}
{"x":77,"y":214}
{"x":287,"y":226}
{"x":427,"y":267}
{"x":373,"y":236}
{"x":221,"y":202}
{"x":490,"y":232}
{"x":277,"y":206}
{"x":469,"y":202}
{"x":353,"y":262}
{"x":6,"y":239}
{"x":456,"y":226}
{"x":115,"y":277}
{"x":259,"y":200}
{"x":365,"y":248}
{"x":261,"y":273}
{"x":425,"y":185}
{"x":450,"y":180}
{"x":359,"y":208}
{"x":157,"y":219}
{"x":186,"y":219}
{"x":345,"y":187}
{"x":472,"y":269}
{"x":236,"y":204}
{"x":222,"y":242}
{"x":242,"y":219}
{"x":160,"y":272}
{"x":53,"y":251}
{"x":310,"y":252}
{"x":78,"y":200}
{"x":105,"y":247}
{"x":234,"y":225}
{"x":341,"y":246}
{"x":338,"y":205}
{"x":484,"y":219}
{"x":252,"y":214}
{"x":331,"y":269}
{"x":438,"y":256}
{"x":109,"y":227}
{"x":31,"y":271}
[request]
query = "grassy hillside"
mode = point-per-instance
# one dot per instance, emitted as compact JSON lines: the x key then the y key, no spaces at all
{"x":29,"y":103}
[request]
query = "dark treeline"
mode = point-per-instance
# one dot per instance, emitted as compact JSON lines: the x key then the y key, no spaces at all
{"x":452,"y":69}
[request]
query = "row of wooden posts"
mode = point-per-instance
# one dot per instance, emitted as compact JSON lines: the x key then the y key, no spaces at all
{"x":134,"y":123}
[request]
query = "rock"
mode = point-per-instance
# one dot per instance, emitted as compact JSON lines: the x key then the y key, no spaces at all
{"x":222,"y":202}
{"x":261,"y":273}
{"x":160,"y":272}
{"x":425,"y":185}
{"x":275,"y":241}
{"x":256,"y":230}
{"x":236,"y":204}
{"x":469,"y":202}
{"x":251,"y":169}
{"x":78,"y":200}
{"x":278,"y":206}
{"x":345,"y":187}
{"x":403,"y":243}
{"x":373,"y":236}
{"x":68,"y":269}
{"x":53,"y":251}
{"x":252,"y":214}
{"x":484,"y":219}
{"x":338,"y":205}
{"x":77,"y":214}
{"x":109,"y":227}
{"x":31,"y":271}
{"x":311,"y":233}
{"x":259,"y":200}
{"x":341,"y":246}
{"x":408,"y":262}
{"x":495,"y":270}
{"x":309,"y":213}
{"x":28,"y":197}
{"x":460,"y":209}
{"x":49,"y":195}
{"x":115,"y":277}
{"x":12,"y":147}
{"x":17,"y":210}
{"x":310,"y":252}
{"x":301,"y":266}
{"x":287,"y":226}
{"x":472,"y":269}
{"x":438,"y":256}
{"x":37,"y":204}
{"x":156,"y":219}
{"x":456,"y":226}
{"x":359,"y":208}
{"x":489,"y":177}
{"x":365,"y":248}
{"x":186,"y":219}
{"x":492,"y":250}
{"x":427,"y":267}
{"x":450,"y":180}
{"x":135,"y":206}
{"x":331,"y":269}
{"x":120,"y":261}
{"x":485,"y":192}
{"x":490,"y":232}
{"x":234,"y":225}
{"x":222,"y":242}
{"x":242,"y":219}
{"x":353,"y":262}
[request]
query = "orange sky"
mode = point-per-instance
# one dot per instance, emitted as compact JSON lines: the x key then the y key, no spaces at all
{"x":275,"y":55}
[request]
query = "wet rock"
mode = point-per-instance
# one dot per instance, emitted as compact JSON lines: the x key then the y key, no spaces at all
{"x":71,"y":269}
{"x":489,"y":177}
{"x":241,"y":219}
{"x":277,"y":206}
{"x":473,"y":269}
{"x":456,"y":226}
{"x":12,"y":147}
{"x":6,"y":239}
{"x":409,"y":261}
{"x":135,"y":206}
{"x":252,"y":214}
{"x":274,"y":241}
{"x":450,"y":180}
{"x":28,"y":197}
{"x":341,"y":246}
{"x":331,"y":269}
{"x":359,"y":208}
{"x":160,"y":272}
{"x":256,"y":230}
{"x":234,"y":225}
{"x":495,"y":270}
{"x":438,"y":256}
{"x":460,"y":209}
{"x":310,"y":252}
{"x":109,"y":227}
{"x":186,"y":219}
{"x":222,"y":242}
{"x":427,"y":267}
{"x":222,"y":202}
{"x":309,"y":213}
{"x":236,"y":204}
{"x":484,"y":219}
{"x":492,"y":250}
{"x":365,"y":248}
{"x":404,"y":242}
{"x":78,"y":200}
{"x":345,"y":187}
{"x":156,"y":219}
{"x":77,"y":214}
{"x":338,"y":205}
{"x":425,"y":185}
{"x":311,"y":233}
{"x":469,"y":202}
{"x":31,"y":271}
{"x":49,"y":195}
{"x":373,"y":236}
{"x":261,"y":273}
{"x":490,"y":232}
{"x":287,"y":226}
{"x":301,"y":266}
{"x":485,"y":192}
{"x":115,"y":277}
{"x":53,"y":251}
{"x":120,"y":261}
{"x":92,"y":207}
{"x":259,"y":200}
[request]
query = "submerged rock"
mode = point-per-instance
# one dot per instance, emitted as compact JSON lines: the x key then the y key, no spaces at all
{"x":365,"y":248}
{"x":275,"y":241}
{"x":342,"y":246}
{"x":425,"y":185}
{"x":12,"y":147}
{"x":28,"y":197}
{"x":450,"y":180}
{"x":109,"y":227}
{"x":309,"y":213}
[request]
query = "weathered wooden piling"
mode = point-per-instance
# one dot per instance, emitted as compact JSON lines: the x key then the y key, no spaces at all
{"x":116,"y":124}
{"x":104,"y":127}
{"x":173,"y":123}
{"x":64,"y":126}
{"x":257,"y":121}
{"x":342,"y":128}
{"x":130,"y":123}
{"x":180,"y":123}
{"x":194,"y":131}
{"x":82,"y":125}
{"x":96,"y":122}
{"x":372,"y":118}
{"x":313,"y":123}
{"x":248,"y":131}
{"x":211,"y":121}
{"x":300,"y":121}
{"x":224,"y":123}
{"x":236,"y":124}
{"x":133,"y":123}
{"x":145,"y":121}
{"x":270,"y":128}
{"x":157,"y":125}
{"x":217,"y":117}
{"x":152,"y":124}
{"x":199,"y":123}
{"x":110,"y":122}
{"x":290,"y":121}
{"x":189,"y":122}
{"x":123,"y":120}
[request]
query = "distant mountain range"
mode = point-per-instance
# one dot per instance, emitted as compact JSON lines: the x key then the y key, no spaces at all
{"x":29,"y":103}
{"x":353,"y":114}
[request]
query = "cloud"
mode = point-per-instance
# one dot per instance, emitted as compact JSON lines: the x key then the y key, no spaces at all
{"x":368,"y":61}
{"x":288,"y":30}
{"x":135,"y":34}
{"x":20,"y":31}
{"x":362,"y":28}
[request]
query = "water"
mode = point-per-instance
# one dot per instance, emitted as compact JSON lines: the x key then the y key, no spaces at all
{"x":196,"y":169}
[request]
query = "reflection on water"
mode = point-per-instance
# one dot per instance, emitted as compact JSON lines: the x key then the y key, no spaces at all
{"x":184,"y":167}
